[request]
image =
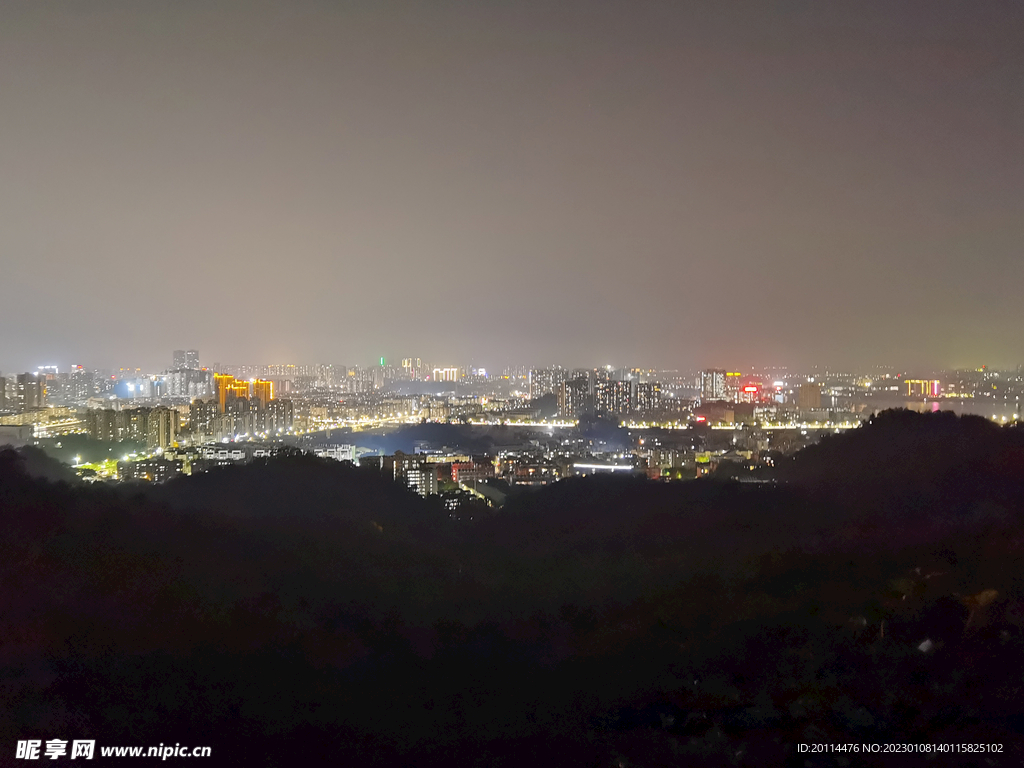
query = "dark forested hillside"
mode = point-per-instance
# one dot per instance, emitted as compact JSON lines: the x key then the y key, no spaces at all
{"x":300,"y":606}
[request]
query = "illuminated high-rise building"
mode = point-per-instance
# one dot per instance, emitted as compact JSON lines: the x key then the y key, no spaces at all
{"x":238,"y":390}
{"x":106,"y":424}
{"x":222,"y":381}
{"x":280,"y":416}
{"x":80,"y":385}
{"x":262,"y":392}
{"x":446,"y":374}
{"x":359,"y":380}
{"x":30,"y":391}
{"x":574,"y":398}
{"x":161,"y":428}
{"x":201,"y":417}
{"x":544,"y":381}
{"x":612,"y":398}
{"x":156,"y":427}
{"x":185,"y":359}
{"x":189,"y":383}
{"x":712,"y":384}
{"x":923,"y":387}
{"x":229,"y":389}
{"x":648,"y":397}
{"x":412,"y":368}
{"x":135,"y":424}
{"x":52,"y":389}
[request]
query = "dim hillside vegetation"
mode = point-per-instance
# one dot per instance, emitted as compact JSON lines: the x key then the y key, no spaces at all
{"x":303,"y":607}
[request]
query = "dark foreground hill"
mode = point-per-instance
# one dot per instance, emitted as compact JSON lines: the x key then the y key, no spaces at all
{"x":304,"y":612}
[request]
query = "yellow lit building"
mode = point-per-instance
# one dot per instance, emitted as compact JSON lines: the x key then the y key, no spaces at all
{"x":221,"y":382}
{"x":262,"y":392}
{"x":923,"y":388}
{"x":239,"y":390}
{"x":229,"y":388}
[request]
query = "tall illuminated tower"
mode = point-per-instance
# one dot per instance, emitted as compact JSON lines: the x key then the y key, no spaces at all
{"x":222,"y":382}
{"x":262,"y":392}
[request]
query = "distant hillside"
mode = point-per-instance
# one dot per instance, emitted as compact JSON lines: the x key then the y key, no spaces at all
{"x":35,"y":463}
{"x":907,"y":465}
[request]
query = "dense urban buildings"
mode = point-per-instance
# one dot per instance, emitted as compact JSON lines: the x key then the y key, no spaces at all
{"x":674,"y":424}
{"x":185,"y":359}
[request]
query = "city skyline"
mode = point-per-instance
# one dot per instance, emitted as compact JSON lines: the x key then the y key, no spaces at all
{"x":676,"y":184}
{"x":191,"y":419}
{"x":466,"y":365}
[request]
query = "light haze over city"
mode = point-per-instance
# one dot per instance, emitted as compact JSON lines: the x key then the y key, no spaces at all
{"x":669,"y":185}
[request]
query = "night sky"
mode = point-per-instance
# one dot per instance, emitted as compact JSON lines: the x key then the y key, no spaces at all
{"x":655,"y":184}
